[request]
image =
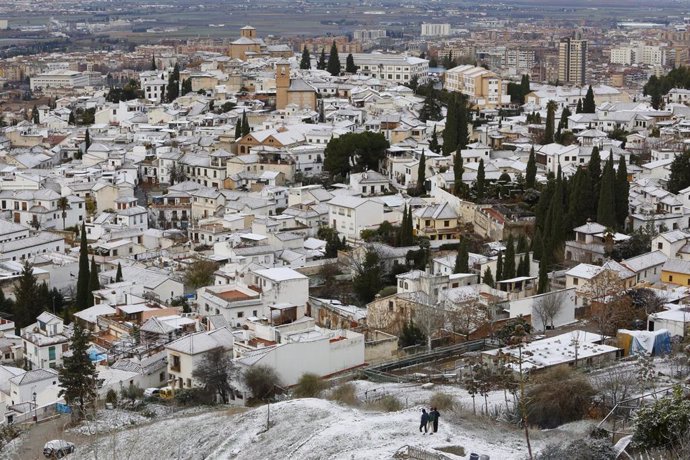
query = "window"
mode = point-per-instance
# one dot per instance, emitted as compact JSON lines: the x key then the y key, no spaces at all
{"x":446,"y":223}
{"x":391,"y":305}
{"x":670,"y":278}
{"x":161,"y":377}
{"x":660,"y":245}
{"x":51,"y":353}
{"x":175,"y":363}
{"x":575,"y":281}
{"x":240,"y":314}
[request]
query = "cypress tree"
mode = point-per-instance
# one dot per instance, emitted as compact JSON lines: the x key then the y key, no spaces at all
{"x":333,"y":61}
{"x":450,"y":132}
{"x":173,"y":89}
{"x":153,"y":63}
{"x":35,"y":117}
{"x":87,"y":140}
{"x":350,"y":66}
{"x":403,"y":228}
{"x":578,"y":109}
{"x":82,"y":299}
{"x":238,"y":128}
{"x":526,"y":269}
{"x":520,"y":267}
{"x":531,"y":173}
{"x":321,"y":64}
{"x":462,"y":259}
{"x":509,"y":263}
{"x":594,"y":169}
{"x":522,"y":244}
{"x":479,"y":185}
{"x":588,"y":105}
{"x":537,"y":244}
{"x":580,"y":203}
{"x":488,"y":278}
{"x":524,"y":86}
{"x":622,"y":193}
{"x":457,"y":174}
{"x":245,"y":124}
{"x":543,"y":283}
{"x":463,"y":119}
{"x":433,"y":143}
{"x":118,"y":274}
{"x":71,"y":121}
{"x":606,"y":208}
{"x":94,"y":284}
{"x":499,"y":267}
{"x":550,"y":122}
{"x":305,"y":62}
{"x":421,"y":174}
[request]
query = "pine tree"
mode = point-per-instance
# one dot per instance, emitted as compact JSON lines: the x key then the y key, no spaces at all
{"x":321,"y":64}
{"x":118,"y":274}
{"x":578,"y":109}
{"x":238,"y":128}
{"x":462,"y":259}
{"x":606,"y":208}
{"x":173,"y":89}
{"x":350,"y":66}
{"x":94,"y":284}
{"x":78,"y":374}
{"x":82,"y":299}
{"x":433,"y":143}
{"x":622,"y":194}
{"x":531,"y":173}
{"x":550,"y":122}
{"x":588,"y":105}
{"x":245,"y":124}
{"x":450,"y":132}
{"x":509,"y":263}
{"x":421,"y":175}
{"x":305,"y":62}
{"x":499,"y":267}
{"x":431,"y":110}
{"x":488,"y":278}
{"x":333,"y":61}
{"x":27,"y":304}
{"x":480,"y":185}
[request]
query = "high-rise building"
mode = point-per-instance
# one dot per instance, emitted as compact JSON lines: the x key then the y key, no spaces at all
{"x":572,"y":61}
{"x":435,"y":30}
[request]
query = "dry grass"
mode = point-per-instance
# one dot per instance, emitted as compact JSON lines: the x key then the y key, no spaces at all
{"x":442,"y":401}
{"x":345,"y":394}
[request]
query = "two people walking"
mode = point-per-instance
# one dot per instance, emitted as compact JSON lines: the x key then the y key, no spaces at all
{"x":430,"y":417}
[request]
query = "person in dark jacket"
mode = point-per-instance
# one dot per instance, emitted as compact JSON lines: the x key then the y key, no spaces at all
{"x":433,"y":418}
{"x":425,"y":421}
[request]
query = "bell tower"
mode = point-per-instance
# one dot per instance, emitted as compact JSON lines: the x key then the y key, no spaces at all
{"x":282,"y":84}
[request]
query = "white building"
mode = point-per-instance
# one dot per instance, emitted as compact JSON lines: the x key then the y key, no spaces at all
{"x":185,"y":354}
{"x":435,"y":30}
{"x":349,"y":215}
{"x":45,"y":342}
{"x":396,"y":68}
{"x":59,"y":79}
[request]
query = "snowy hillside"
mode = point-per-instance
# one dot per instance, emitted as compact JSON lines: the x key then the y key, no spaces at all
{"x":314,"y":429}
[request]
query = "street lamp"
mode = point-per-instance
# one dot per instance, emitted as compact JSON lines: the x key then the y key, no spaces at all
{"x":35,"y":408}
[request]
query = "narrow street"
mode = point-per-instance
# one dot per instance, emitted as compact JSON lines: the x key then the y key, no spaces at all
{"x":33,"y":441}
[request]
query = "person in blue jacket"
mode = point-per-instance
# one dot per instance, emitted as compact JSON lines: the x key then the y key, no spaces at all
{"x":425,"y":421}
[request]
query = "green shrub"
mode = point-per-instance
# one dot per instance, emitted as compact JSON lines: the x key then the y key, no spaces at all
{"x":262,"y":382}
{"x":442,"y":401}
{"x":580,"y":449}
{"x":111,"y":397}
{"x":663,"y":423}
{"x":345,"y":394}
{"x":309,"y":386}
{"x":559,"y":396}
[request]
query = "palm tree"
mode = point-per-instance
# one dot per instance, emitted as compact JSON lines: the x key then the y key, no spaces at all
{"x":63,"y":205}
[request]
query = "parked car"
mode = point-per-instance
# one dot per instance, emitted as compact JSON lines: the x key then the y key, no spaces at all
{"x":57,"y":448}
{"x":152,"y":392}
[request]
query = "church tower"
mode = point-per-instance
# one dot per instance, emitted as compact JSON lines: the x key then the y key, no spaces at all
{"x":282,"y":84}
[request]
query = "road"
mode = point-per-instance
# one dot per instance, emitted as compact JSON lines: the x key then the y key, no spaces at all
{"x":33,"y":441}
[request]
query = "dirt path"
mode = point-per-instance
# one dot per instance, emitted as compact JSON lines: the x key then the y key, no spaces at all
{"x":33,"y":441}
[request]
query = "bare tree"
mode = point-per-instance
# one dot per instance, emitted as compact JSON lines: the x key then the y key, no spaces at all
{"x":468,"y":317}
{"x":615,"y":384}
{"x":429,"y":319}
{"x":610,"y":306}
{"x":215,"y":371}
{"x":548,"y":306}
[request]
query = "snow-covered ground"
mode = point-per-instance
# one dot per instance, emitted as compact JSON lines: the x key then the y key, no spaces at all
{"x":321,"y":429}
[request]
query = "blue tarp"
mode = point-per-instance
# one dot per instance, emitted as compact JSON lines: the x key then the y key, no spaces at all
{"x":656,"y":343}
